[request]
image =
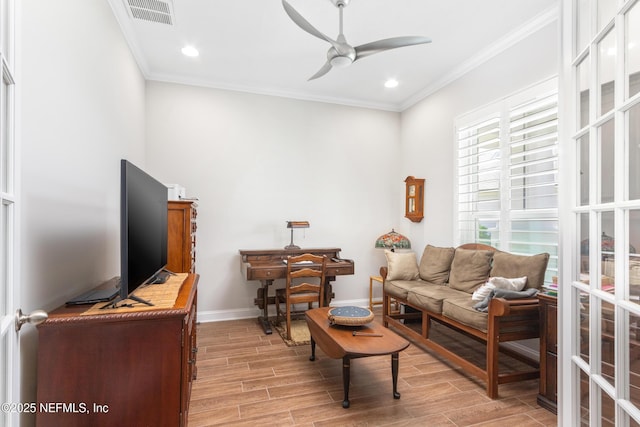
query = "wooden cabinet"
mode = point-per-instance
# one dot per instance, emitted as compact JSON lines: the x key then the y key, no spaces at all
{"x":121,"y":369}
{"x":181,"y":237}
{"x":548,"y":394}
{"x":414,"y":199}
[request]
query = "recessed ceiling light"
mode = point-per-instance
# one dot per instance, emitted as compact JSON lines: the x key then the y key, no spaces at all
{"x":391,"y":83}
{"x":190,"y":51}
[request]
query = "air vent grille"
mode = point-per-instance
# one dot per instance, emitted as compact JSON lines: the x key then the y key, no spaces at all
{"x":151,"y":10}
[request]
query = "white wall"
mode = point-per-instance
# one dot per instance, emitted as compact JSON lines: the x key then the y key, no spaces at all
{"x":82,"y":109}
{"x":257,"y":161}
{"x":427,"y":128}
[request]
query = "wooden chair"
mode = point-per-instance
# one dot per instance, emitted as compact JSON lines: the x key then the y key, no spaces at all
{"x":305,"y":292}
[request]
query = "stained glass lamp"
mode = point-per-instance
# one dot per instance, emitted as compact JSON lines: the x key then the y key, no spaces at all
{"x":393,"y":240}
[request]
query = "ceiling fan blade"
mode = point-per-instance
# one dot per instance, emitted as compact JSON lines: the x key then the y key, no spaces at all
{"x":322,"y":71}
{"x":386,"y":44}
{"x":305,"y":25}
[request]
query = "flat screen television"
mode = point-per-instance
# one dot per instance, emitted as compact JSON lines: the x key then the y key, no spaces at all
{"x":143,"y":229}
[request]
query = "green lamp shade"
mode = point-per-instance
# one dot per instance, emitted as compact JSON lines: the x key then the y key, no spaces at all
{"x":393,"y":240}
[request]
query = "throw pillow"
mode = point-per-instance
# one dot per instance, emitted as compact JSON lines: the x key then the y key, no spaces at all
{"x":483,"y":291}
{"x":532,"y":266}
{"x":469,"y":269}
{"x":401,"y":265}
{"x":435,"y":264}
{"x":516,"y":284}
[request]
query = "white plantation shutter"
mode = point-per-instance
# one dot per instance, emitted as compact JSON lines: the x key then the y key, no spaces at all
{"x":533,"y":157}
{"x":479,"y":164}
{"x":507,"y":174}
{"x":533,"y":176}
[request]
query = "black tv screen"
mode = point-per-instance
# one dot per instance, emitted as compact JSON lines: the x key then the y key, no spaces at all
{"x":143,"y":228}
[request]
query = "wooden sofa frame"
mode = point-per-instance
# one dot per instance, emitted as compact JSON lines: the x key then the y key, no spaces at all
{"x":508,"y":320}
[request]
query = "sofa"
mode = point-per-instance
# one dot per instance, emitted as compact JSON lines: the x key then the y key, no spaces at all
{"x":477,"y":290}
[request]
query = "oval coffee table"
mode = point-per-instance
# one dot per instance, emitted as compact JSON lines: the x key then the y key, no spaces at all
{"x":337,"y":342}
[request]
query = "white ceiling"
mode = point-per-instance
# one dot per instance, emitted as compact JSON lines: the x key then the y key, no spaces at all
{"x":253,"y":46}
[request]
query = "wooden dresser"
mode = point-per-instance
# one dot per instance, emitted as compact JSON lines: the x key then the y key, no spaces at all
{"x":548,"y":394}
{"x":181,"y":237}
{"x":125,"y":369}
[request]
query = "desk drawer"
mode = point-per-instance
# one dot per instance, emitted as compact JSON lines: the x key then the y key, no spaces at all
{"x":265,"y":274}
{"x":340,"y":270}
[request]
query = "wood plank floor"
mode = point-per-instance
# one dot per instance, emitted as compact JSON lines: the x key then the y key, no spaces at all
{"x":248,"y":378}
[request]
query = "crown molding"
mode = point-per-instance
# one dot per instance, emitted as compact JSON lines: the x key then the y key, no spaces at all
{"x":168,"y":78}
{"x":532,"y":26}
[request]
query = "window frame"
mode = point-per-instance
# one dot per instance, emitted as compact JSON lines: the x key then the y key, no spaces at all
{"x":505,"y":216}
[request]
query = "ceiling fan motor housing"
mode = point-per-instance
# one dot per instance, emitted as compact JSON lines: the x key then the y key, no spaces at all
{"x":340,"y":3}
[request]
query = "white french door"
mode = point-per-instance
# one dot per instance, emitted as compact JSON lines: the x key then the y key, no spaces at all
{"x":9,"y":360}
{"x":600,"y":296}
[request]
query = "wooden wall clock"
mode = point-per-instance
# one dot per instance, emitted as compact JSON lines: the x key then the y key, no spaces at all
{"x":414,"y":207}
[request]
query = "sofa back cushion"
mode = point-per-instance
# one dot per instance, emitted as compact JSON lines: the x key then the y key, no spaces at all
{"x":435,"y":264}
{"x":510,"y":265}
{"x":469,"y":269}
{"x":401,"y":265}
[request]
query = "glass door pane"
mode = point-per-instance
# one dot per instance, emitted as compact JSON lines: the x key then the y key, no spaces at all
{"x":634,"y":256}
{"x":633,"y":151}
{"x":607,"y":165}
{"x":632,"y":49}
{"x":583,"y":93}
{"x":606,"y":12}
{"x":583,"y":23}
{"x":608,"y":409}
{"x":583,"y":262}
{"x":607,"y":342}
{"x":584,"y":328}
{"x":583,"y":387}
{"x":583,"y":181}
{"x":606,"y":71}
{"x":633,"y":352}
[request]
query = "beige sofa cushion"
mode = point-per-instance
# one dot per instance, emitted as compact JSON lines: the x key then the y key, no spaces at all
{"x":400,"y":288}
{"x":461,"y":309}
{"x":401,"y":265}
{"x":430,"y":298}
{"x":470,"y":269}
{"x":435,"y":264}
{"x":510,"y":265}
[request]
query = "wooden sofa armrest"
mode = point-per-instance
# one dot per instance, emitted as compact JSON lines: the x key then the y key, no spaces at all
{"x":504,"y":307}
{"x":383,"y":272}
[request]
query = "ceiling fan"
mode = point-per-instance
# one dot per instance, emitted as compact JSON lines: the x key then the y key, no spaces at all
{"x":341,"y":53}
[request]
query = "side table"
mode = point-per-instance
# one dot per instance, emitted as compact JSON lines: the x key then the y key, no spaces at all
{"x":379,"y":302}
{"x":371,"y":301}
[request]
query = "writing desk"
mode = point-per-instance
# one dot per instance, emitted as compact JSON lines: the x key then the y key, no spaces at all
{"x":267,"y":265}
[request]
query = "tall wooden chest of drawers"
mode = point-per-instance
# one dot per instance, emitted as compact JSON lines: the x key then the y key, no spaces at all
{"x":181,"y":237}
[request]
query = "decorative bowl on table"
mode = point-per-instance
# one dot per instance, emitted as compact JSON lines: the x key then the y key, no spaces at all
{"x":350,"y":316}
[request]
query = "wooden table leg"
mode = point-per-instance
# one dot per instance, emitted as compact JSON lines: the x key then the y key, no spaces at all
{"x":313,"y":350}
{"x":394,"y":374}
{"x":346,"y":378}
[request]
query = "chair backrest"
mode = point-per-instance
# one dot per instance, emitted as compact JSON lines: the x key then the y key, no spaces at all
{"x":306,"y":266}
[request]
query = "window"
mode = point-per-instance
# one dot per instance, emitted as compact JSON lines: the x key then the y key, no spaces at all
{"x":508,"y":174}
